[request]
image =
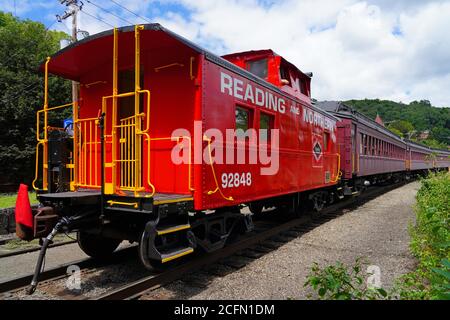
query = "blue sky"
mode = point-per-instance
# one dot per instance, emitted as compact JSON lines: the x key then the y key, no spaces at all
{"x":385,"y":49}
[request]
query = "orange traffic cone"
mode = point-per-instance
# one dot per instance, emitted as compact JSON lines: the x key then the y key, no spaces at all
{"x":24,"y":215}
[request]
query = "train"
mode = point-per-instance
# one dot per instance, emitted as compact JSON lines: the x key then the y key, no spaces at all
{"x":167,"y":142}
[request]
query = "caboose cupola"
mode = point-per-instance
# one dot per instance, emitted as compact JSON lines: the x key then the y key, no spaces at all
{"x":273,"y":68}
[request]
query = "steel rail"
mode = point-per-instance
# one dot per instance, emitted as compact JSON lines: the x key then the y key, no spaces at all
{"x":61,"y":271}
{"x":34,"y":249}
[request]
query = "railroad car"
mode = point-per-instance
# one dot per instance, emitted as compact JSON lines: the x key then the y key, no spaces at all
{"x":441,"y":159}
{"x":168,"y":141}
{"x":370,"y":153}
{"x":418,"y":157}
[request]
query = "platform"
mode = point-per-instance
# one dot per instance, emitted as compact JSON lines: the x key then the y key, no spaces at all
{"x":74,"y":198}
{"x":163,"y":198}
{"x":92,"y":197}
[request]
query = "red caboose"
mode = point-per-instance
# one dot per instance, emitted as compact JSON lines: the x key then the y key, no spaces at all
{"x":183,"y":132}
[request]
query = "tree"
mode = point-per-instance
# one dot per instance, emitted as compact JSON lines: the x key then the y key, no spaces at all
{"x":405,"y":127}
{"x":420,"y":114}
{"x":434,"y":144}
{"x":24,"y":45}
{"x":397,"y":132}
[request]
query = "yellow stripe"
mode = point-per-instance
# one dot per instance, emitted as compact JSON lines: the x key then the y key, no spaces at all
{"x":131,"y":204}
{"x":177,"y":256}
{"x":157,"y":202}
{"x":171,"y":230}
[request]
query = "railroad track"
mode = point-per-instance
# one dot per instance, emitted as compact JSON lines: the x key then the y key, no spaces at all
{"x":139,"y":288}
{"x":34,"y":249}
{"x":60,"y":272}
{"x":265,"y":230}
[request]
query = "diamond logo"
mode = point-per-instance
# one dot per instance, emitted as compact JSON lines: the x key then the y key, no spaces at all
{"x":317,"y":150}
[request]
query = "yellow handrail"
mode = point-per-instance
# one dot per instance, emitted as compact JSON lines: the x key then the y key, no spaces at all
{"x":211,"y":192}
{"x":131,"y":204}
{"x":176,"y":64}
{"x":44,"y":141}
{"x":36,"y":174}
{"x":339,"y":172}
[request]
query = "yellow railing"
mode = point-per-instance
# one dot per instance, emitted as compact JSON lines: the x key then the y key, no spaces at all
{"x":87,"y":148}
{"x":127,"y":158}
{"x":338,"y":174}
{"x":42,"y":137}
{"x":130,"y":130}
{"x":127,"y":137}
{"x":177,"y":139}
{"x":36,"y":176}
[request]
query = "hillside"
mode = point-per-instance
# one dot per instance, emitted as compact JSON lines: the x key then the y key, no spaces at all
{"x":418,"y":120}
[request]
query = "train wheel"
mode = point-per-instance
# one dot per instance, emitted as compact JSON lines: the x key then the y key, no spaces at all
{"x":318,"y":201}
{"x":97,"y":246}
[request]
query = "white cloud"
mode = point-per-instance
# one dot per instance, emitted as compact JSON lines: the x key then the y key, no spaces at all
{"x":357,"y":49}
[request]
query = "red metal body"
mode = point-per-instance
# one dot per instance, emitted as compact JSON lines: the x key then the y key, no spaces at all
{"x":299,"y":169}
{"x":189,"y":85}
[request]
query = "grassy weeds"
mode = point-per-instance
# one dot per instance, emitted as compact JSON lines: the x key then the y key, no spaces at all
{"x":9,"y":200}
{"x":430,"y":242}
{"x":17,"y":244}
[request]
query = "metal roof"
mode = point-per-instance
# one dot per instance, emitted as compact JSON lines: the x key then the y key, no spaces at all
{"x":208,"y":55}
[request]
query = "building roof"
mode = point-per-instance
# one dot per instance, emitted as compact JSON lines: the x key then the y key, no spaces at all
{"x":379,"y":120}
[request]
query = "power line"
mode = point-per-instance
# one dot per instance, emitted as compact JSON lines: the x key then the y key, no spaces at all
{"x":133,"y":13}
{"x":99,"y":19}
{"x":107,"y":11}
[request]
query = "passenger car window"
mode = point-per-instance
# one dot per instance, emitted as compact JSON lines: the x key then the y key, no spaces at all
{"x":258,"y":67}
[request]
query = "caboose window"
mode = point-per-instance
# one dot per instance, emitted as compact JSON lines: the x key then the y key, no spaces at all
{"x":284,"y":76}
{"x":266,"y":122}
{"x":326,"y":138}
{"x":258,"y":67}
{"x":242,"y":120}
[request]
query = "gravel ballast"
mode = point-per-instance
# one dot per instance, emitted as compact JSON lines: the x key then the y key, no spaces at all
{"x":377,"y":230}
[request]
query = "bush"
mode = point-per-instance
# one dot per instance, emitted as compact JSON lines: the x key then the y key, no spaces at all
{"x":430,"y":242}
{"x":338,"y":282}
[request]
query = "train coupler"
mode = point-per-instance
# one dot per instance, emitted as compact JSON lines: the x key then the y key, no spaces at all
{"x":64,"y":224}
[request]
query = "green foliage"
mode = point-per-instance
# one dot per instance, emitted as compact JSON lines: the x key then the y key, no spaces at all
{"x":9,"y":200}
{"x":432,"y":143}
{"x":24,"y":45}
{"x":396,"y":131}
{"x":338,"y":282}
{"x":420,"y":114}
{"x":430,"y":242}
{"x":403,"y":126}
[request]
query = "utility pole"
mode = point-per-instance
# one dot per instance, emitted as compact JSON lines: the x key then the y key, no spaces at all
{"x":74,"y":6}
